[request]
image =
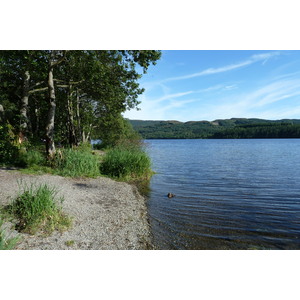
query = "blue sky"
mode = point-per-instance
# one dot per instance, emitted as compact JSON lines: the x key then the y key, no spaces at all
{"x":195,"y":85}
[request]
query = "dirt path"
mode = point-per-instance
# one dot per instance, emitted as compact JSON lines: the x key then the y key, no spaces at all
{"x":106,"y":214}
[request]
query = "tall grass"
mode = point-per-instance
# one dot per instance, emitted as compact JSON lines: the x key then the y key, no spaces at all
{"x":5,"y":242}
{"x":76,"y":163}
{"x":31,"y":158}
{"x":126,"y":163}
{"x":38,"y":208}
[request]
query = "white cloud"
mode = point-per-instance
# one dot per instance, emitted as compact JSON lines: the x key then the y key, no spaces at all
{"x":210,"y":71}
{"x":260,"y":103}
{"x":272,"y":100}
{"x":163,"y":107}
{"x":273,"y":92}
{"x":172,"y":96}
{"x":230,"y":87}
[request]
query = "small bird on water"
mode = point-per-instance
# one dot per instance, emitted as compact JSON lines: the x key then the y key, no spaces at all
{"x":170,"y":195}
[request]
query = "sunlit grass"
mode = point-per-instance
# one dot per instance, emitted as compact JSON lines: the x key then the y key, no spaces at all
{"x":76,"y":163}
{"x":37,"y":208}
{"x":126,"y":164}
{"x":6,"y":243}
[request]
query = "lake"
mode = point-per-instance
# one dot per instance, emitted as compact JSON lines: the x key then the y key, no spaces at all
{"x":229,"y":194}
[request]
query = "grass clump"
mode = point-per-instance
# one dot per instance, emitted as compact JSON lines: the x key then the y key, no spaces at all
{"x":6,"y":243}
{"x":126,"y":163}
{"x":76,"y":163}
{"x":37,"y":208}
{"x":31,"y":159}
{"x":70,"y":243}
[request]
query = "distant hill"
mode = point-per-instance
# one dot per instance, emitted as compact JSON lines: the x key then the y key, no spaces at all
{"x":222,"y":128}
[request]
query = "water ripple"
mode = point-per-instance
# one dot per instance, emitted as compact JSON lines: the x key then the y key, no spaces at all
{"x":237,"y":194}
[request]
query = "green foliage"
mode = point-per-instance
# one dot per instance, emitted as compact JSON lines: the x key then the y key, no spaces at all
{"x":115,"y":130}
{"x":85,"y":147}
{"x":124,"y":163}
{"x":37,"y":208}
{"x":72,"y":162}
{"x":70,"y":243}
{"x":229,"y":128}
{"x":257,"y":131}
{"x":8,"y":150}
{"x":76,"y":163}
{"x":91,"y":88}
{"x":6,"y":243}
{"x":31,"y":158}
{"x":37,"y":170}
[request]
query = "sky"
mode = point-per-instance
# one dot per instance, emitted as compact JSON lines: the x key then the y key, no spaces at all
{"x":192,"y":85}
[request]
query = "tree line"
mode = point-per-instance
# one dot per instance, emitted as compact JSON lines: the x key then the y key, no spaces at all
{"x":67,"y":97}
{"x":258,"y":131}
{"x":234,"y":128}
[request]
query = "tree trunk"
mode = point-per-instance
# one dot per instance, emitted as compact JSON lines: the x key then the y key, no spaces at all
{"x":50,"y":146}
{"x":86,"y":137}
{"x":24,"y":122}
{"x":1,"y":113}
{"x":56,"y":57}
{"x":71,"y":128}
{"x":79,"y":131}
{"x":37,"y":118}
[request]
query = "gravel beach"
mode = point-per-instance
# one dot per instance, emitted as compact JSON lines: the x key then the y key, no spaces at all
{"x":107,"y":215}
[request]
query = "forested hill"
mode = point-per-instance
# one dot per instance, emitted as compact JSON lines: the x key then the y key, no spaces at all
{"x":223,"y":128}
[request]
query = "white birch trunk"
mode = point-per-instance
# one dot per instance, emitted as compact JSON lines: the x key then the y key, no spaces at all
{"x":50,"y":146}
{"x":1,"y":113}
{"x":24,"y":107}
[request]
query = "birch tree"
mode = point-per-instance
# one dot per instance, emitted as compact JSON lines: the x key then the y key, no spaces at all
{"x":69,"y":96}
{"x":55,"y":58}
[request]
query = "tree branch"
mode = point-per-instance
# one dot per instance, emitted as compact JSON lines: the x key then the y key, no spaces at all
{"x":69,"y":82}
{"x":57,"y":62}
{"x":38,"y":90}
{"x":45,"y":88}
{"x":37,"y":84}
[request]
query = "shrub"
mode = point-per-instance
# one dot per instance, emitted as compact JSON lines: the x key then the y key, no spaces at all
{"x":114,"y":129}
{"x":6,"y":243}
{"x":31,"y":158}
{"x":76,"y":163}
{"x":86,"y":147}
{"x":8,"y":151}
{"x":37,"y":208}
{"x":126,"y":163}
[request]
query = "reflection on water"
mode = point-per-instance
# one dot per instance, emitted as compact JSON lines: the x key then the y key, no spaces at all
{"x":230,"y":194}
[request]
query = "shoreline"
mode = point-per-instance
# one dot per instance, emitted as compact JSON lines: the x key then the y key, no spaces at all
{"x":107,"y":214}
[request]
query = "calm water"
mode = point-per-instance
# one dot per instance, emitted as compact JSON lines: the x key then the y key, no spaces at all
{"x":230,"y":194}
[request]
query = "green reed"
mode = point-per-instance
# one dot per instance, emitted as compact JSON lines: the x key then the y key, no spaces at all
{"x":125,"y":163}
{"x":38,"y":208}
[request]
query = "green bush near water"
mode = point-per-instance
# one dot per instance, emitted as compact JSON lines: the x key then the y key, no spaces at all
{"x":76,"y":163}
{"x":126,"y":163}
{"x":37,"y":208}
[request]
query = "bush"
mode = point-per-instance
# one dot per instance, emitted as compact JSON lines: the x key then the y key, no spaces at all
{"x":8,"y":151}
{"x":6,"y":243}
{"x":76,"y":163}
{"x":37,"y":208}
{"x":31,"y":158}
{"x":126,"y":163}
{"x":86,"y":147}
{"x":115,"y":130}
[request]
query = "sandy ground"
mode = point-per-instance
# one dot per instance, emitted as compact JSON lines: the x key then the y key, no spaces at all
{"x":106,"y":214}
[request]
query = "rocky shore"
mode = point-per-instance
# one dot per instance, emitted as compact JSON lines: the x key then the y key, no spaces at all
{"x":107,"y":215}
